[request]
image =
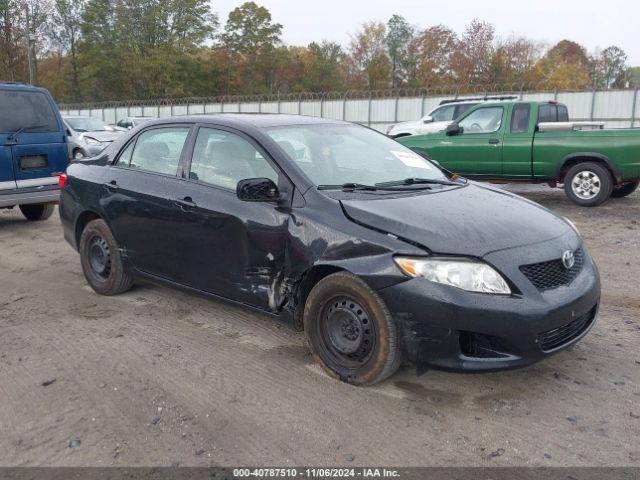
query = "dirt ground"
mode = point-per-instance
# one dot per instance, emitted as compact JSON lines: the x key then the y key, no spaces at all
{"x":159,"y":377}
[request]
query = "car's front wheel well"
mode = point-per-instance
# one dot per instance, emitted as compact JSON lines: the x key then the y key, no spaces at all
{"x":309,"y":279}
{"x":566,"y":166}
{"x":83,"y":219}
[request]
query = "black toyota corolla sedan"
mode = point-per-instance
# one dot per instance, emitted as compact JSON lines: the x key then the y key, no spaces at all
{"x":373,"y":250}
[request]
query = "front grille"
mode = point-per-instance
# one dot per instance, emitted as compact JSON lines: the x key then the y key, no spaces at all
{"x":553,"y":274}
{"x":557,"y":337}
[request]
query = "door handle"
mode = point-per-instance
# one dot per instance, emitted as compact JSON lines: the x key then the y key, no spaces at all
{"x":111,"y":186}
{"x":185,"y":203}
{"x":494,"y":141}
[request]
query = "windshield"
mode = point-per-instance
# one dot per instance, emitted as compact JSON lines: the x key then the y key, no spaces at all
{"x":89,"y":124}
{"x":339,"y":154}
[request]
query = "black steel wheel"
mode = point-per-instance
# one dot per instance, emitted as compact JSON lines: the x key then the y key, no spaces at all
{"x":350,"y":330}
{"x":101,"y":260}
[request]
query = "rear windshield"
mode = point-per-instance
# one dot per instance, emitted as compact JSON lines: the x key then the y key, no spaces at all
{"x":29,"y":110}
{"x":553,"y":113}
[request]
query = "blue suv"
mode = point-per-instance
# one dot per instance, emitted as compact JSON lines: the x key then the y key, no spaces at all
{"x":33,"y":150}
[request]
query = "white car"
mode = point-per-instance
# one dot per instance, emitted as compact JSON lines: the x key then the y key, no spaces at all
{"x":438,"y":118}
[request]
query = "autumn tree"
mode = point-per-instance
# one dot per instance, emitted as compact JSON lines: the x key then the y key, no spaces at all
{"x":512,"y":60}
{"x":434,"y":48}
{"x":471,"y":59}
{"x":369,"y":63}
{"x":565,"y":65}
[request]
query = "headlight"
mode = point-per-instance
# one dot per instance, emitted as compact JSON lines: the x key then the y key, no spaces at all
{"x":468,"y":275}
{"x":92,"y":141}
{"x":572,"y":225}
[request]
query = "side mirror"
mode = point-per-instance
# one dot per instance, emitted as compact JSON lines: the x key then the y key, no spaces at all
{"x":68,"y":132}
{"x":427,"y":119}
{"x":257,"y":190}
{"x":453,"y":129}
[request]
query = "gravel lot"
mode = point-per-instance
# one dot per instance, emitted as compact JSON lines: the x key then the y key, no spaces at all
{"x":159,"y":377}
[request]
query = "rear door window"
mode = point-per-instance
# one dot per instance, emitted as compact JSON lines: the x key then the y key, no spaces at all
{"x":29,"y":110}
{"x":520,"y":118}
{"x":157,"y":150}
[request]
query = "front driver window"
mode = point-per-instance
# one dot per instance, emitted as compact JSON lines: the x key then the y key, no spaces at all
{"x":483,"y":120}
{"x":223,"y":159}
{"x":159,"y":150}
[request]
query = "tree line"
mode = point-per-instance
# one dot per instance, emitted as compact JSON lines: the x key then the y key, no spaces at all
{"x":97,"y":50}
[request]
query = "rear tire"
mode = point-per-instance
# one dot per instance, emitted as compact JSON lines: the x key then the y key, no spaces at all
{"x":350,"y":330}
{"x":588,"y":184}
{"x":624,"y":189}
{"x":101,"y":260}
{"x":37,"y":212}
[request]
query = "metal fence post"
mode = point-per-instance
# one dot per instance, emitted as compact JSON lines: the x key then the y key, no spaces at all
{"x":593,"y":104}
{"x":369,"y":111}
{"x":344,"y":107}
{"x":299,"y":105}
{"x":422,"y":108}
{"x":395,"y":109}
{"x":633,"y":108}
{"x":322,"y":106}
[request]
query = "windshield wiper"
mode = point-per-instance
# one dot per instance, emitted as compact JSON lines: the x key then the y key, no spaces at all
{"x":415,"y":181}
{"x":13,"y":135}
{"x":348,"y":187}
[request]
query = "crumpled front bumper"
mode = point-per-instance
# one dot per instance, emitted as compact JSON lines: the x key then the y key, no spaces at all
{"x":452,"y":329}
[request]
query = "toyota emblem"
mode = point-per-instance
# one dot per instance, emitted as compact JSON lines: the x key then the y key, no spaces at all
{"x":568,"y":260}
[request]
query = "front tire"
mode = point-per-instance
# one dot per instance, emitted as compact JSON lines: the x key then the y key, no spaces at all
{"x":588,"y":184}
{"x":101,"y":260}
{"x":77,"y":154}
{"x":350,"y":330}
{"x":624,"y":189}
{"x":37,"y":212}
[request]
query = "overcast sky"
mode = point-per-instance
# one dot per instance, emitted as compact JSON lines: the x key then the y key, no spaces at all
{"x":589,"y":22}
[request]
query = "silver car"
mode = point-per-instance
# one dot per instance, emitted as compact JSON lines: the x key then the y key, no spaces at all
{"x":88,"y":136}
{"x":131,"y":122}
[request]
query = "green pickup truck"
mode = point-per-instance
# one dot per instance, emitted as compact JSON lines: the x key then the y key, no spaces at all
{"x":536,"y":142}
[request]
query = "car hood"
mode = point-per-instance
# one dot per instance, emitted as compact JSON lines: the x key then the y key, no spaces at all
{"x":471,"y":220}
{"x":103,"y":136}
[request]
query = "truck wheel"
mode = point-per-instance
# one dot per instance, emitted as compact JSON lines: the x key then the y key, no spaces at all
{"x":101,"y":260}
{"x":624,"y":189}
{"x":588,"y":184}
{"x":350,"y":330}
{"x":37,"y":212}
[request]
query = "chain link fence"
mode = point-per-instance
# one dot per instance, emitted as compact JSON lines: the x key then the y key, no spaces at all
{"x":376,"y":108}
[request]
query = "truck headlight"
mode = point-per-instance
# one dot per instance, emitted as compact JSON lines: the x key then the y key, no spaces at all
{"x":92,"y":141}
{"x":466,"y":274}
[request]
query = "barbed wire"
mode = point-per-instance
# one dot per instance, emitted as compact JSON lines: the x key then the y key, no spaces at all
{"x":460,"y":90}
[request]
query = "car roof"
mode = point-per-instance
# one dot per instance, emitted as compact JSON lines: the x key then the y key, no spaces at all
{"x":257,"y":120}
